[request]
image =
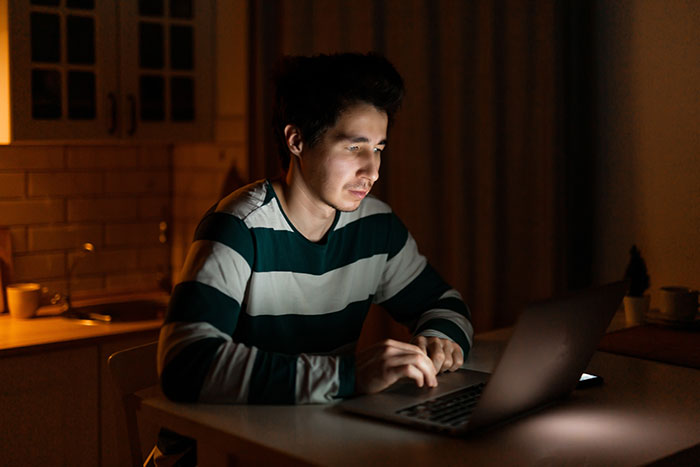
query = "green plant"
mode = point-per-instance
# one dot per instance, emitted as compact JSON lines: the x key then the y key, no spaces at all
{"x":636,"y":273}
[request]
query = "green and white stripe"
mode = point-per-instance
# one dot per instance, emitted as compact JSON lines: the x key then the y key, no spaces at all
{"x":218,"y":266}
{"x":262,"y":315}
{"x":280,"y":293}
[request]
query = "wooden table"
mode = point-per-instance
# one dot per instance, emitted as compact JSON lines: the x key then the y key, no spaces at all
{"x":645,"y":411}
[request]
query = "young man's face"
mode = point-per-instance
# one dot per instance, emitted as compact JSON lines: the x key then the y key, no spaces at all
{"x":342,"y":167}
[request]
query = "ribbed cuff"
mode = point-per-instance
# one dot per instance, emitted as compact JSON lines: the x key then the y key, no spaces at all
{"x":448,"y":328}
{"x":347,"y":376}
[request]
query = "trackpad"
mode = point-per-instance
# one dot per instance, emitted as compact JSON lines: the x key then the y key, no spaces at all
{"x":447,"y":382}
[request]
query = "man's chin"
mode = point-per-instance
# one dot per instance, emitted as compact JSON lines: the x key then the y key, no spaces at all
{"x":348,"y":207}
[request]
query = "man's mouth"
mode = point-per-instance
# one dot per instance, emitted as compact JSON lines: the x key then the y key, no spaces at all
{"x":359,"y":193}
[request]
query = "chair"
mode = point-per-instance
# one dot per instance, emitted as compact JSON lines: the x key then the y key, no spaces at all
{"x":132,"y":370}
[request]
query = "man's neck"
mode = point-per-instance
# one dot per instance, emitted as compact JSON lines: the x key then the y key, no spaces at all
{"x":308,"y":215}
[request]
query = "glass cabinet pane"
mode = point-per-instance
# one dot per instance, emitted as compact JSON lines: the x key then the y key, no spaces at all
{"x":46,"y":94}
{"x":81,"y":95}
{"x":46,"y":37}
{"x":181,"y":48}
{"x":181,"y":99}
{"x":81,"y":4}
{"x":80,"y":35}
{"x":151,"y":48}
{"x":163,"y":77}
{"x":181,"y":8}
{"x":152,"y":97}
{"x":151,"y":7}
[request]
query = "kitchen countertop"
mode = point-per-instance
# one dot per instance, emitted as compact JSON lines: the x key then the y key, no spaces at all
{"x":48,"y":330}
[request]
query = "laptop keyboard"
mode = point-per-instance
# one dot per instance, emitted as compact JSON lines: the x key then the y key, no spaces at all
{"x":452,"y":409}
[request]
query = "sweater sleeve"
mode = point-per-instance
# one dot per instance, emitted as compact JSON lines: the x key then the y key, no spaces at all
{"x":198,"y":359}
{"x":415,"y":294}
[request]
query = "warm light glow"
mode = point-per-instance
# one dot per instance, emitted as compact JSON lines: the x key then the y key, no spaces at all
{"x":590,"y":426}
{"x":87,"y":322}
{"x":586,"y":433}
{"x":5,"y":119}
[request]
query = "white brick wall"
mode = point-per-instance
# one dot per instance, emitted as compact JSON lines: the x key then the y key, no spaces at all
{"x":12,"y":184}
{"x":199,"y":174}
{"x":55,"y":198}
{"x":23,"y":211}
{"x":63,"y":237}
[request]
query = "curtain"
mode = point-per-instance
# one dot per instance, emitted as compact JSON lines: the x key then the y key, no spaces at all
{"x":474,"y":165}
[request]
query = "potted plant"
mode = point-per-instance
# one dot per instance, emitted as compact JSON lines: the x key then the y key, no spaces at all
{"x":636,"y":301}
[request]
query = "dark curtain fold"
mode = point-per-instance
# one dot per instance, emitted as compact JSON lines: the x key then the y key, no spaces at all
{"x":476,"y":164}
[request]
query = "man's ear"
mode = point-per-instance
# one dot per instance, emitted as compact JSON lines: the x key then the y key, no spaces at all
{"x":292,"y":135}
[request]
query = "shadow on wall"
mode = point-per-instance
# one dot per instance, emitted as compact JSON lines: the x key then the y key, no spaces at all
{"x":617,"y":168}
{"x":232,"y":182}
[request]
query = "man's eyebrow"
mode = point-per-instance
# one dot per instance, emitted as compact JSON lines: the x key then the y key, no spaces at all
{"x":359,"y":139}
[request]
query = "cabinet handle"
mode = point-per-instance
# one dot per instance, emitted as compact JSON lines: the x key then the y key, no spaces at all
{"x":132,"y":112}
{"x":112,"y":113}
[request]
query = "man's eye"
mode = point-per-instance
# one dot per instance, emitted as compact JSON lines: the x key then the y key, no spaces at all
{"x":354,"y":148}
{"x":379,"y":150}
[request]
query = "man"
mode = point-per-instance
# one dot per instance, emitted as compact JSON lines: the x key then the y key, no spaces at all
{"x":282,"y":273}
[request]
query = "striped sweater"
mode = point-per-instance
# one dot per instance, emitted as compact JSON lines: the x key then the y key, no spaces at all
{"x":263,"y":315}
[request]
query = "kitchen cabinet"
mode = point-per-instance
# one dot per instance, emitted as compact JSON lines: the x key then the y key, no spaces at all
{"x":106,"y":70}
{"x":58,"y":404}
{"x":49,"y":404}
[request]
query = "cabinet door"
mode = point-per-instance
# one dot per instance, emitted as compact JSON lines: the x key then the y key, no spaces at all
{"x":63,"y":75}
{"x":49,"y":408}
{"x":167,"y":69}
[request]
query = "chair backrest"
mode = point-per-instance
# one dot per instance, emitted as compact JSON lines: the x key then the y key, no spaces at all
{"x":132,"y":370}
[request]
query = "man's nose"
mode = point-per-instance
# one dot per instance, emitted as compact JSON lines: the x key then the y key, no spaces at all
{"x":370,"y":166}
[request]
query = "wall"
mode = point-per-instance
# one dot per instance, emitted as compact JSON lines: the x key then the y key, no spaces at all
{"x":205,"y":172}
{"x":54,"y":198}
{"x":648,"y":173}
{"x":202,"y":174}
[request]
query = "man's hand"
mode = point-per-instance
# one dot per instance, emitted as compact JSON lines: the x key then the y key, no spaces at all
{"x":445,"y":354}
{"x":381,"y":365}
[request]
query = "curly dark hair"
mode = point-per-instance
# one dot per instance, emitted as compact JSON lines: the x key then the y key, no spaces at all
{"x":312,"y":92}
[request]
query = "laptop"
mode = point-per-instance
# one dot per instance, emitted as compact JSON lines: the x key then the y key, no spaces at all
{"x":551,"y":345}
